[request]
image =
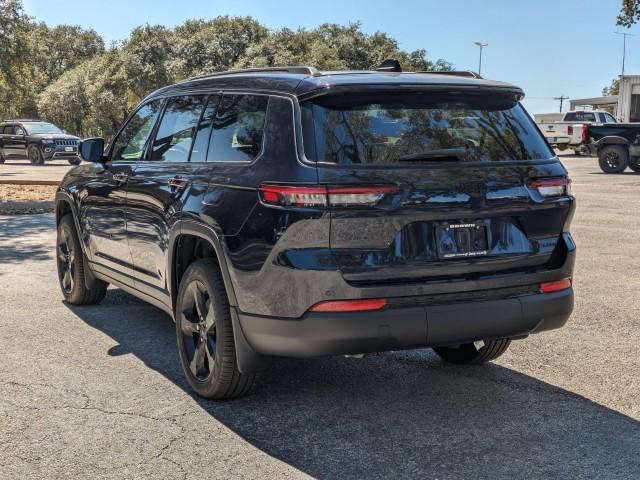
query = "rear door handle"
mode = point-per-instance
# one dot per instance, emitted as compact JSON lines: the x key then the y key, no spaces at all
{"x":120,"y":177}
{"x":178,"y":183}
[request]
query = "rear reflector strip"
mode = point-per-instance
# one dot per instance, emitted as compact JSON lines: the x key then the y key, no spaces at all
{"x":550,"y":287}
{"x":366,"y":305}
{"x":323,"y":196}
{"x":552,"y":187}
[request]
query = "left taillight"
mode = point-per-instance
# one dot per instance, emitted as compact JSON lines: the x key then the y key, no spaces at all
{"x":324,"y":196}
{"x":551,"y":187}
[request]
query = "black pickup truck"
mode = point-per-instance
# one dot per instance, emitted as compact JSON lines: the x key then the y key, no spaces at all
{"x":616,"y":144}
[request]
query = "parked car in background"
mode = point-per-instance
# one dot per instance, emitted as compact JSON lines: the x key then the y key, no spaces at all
{"x":297,"y":213}
{"x":569,"y":130}
{"x":616,"y":145}
{"x":37,"y":140}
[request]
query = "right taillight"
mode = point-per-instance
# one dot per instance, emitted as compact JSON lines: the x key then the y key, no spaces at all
{"x":584,"y":133}
{"x":551,"y":187}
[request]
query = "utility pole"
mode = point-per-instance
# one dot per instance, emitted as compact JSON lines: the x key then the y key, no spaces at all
{"x":481,"y":46}
{"x":562,"y":98}
{"x":624,"y":46}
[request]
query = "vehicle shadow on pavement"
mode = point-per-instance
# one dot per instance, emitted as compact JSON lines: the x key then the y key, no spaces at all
{"x":396,"y":415}
{"x":14,"y":232}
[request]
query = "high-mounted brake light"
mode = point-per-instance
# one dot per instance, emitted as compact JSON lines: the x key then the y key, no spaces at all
{"x":550,"y":287}
{"x":365,"y":305}
{"x":323,"y":196}
{"x":552,"y":187}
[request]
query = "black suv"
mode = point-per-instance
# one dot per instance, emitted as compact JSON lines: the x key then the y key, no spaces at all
{"x":297,"y":213}
{"x":38,"y":141}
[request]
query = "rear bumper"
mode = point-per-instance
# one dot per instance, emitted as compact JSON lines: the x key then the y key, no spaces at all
{"x":402,"y":327}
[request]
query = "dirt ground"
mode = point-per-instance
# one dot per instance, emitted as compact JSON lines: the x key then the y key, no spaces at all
{"x":17,"y":199}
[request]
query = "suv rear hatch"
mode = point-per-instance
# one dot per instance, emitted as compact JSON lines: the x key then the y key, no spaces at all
{"x":435,"y":184}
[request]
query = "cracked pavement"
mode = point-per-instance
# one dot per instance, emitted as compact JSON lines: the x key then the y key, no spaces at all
{"x":97,"y":392}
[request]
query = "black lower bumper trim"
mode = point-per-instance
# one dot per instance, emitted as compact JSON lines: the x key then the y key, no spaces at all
{"x":419,"y":326}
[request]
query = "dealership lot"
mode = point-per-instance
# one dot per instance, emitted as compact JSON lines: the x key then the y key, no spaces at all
{"x":97,"y":392}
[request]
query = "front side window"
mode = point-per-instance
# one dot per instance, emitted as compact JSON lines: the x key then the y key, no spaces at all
{"x":238,"y":128}
{"x":129,"y":145}
{"x":177,"y":129}
{"x":394,"y":128}
{"x":608,"y":118}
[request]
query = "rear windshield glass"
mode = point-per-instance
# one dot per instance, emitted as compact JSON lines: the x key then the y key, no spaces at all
{"x":580,"y":117}
{"x":391,"y":128}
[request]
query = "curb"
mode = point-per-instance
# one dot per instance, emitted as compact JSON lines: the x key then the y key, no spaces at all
{"x":29,"y":182}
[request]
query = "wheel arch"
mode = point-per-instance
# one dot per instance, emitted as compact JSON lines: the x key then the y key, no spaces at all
{"x":184,"y":236}
{"x":248,"y":360}
{"x":612,"y":140}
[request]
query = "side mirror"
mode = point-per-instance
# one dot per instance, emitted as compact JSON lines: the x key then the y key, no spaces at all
{"x":92,"y":150}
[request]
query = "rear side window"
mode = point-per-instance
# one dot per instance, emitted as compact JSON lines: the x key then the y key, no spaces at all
{"x":394,"y":128}
{"x":177,"y":129}
{"x":130,"y":143}
{"x":238,"y":128}
{"x":580,"y":117}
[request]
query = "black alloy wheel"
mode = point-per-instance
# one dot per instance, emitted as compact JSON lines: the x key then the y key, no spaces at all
{"x":67,"y":269}
{"x":199,"y":331}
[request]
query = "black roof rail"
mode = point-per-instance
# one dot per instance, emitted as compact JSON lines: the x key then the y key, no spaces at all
{"x":22,"y":120}
{"x":455,"y":73}
{"x":300,"y":70}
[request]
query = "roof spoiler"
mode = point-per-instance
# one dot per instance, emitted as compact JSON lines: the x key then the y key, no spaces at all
{"x":389,"y":65}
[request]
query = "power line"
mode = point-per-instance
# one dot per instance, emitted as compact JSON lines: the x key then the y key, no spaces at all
{"x":562,"y":98}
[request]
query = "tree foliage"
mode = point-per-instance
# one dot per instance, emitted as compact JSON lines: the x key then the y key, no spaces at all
{"x":613,"y":89}
{"x":66,"y":75}
{"x":629,"y":13}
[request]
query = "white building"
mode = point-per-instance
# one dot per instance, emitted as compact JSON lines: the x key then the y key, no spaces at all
{"x":629,"y":99}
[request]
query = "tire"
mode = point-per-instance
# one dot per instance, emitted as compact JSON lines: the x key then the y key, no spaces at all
{"x":634,"y":164}
{"x":71,"y":267}
{"x":1,"y":157}
{"x":613,"y":159}
{"x":35,"y":155}
{"x":208,"y":361}
{"x":74,"y":161}
{"x":468,"y":354}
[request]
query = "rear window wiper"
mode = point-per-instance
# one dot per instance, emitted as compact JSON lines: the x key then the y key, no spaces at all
{"x":458,"y":153}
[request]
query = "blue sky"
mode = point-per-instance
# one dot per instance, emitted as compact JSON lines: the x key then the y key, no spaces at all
{"x":548,"y":47}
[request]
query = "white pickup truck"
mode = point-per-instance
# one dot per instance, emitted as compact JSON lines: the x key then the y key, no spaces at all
{"x":569,"y":130}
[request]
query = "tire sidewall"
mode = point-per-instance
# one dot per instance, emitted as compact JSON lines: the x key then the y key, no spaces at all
{"x":205,"y":271}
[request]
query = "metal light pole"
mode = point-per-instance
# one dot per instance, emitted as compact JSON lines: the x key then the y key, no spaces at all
{"x":481,"y":46}
{"x":624,"y":46}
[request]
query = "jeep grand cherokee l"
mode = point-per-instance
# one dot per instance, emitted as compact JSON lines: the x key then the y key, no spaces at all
{"x":38,"y":141}
{"x":297,"y":213}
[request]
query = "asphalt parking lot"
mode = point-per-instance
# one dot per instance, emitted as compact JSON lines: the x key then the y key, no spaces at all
{"x":97,"y":392}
